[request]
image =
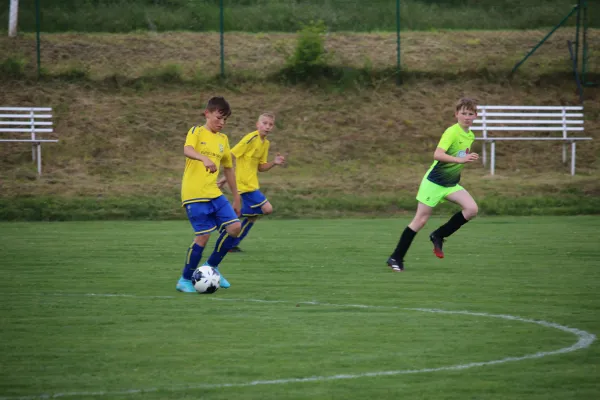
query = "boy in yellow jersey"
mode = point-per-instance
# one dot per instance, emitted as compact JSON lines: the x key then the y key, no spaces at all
{"x":205,"y":149}
{"x":440,"y":183}
{"x":251,"y":155}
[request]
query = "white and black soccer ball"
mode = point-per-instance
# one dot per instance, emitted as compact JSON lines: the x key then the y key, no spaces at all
{"x":206,"y":279}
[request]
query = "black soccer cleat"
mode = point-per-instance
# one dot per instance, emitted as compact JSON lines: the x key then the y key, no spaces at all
{"x":235,"y":249}
{"x":438,"y":242}
{"x":396,"y":266}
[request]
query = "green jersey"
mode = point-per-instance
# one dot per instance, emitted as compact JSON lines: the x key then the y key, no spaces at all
{"x":457,"y":143}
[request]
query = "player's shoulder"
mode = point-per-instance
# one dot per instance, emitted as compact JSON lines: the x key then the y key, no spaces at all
{"x":194,"y":130}
{"x":249,"y":137}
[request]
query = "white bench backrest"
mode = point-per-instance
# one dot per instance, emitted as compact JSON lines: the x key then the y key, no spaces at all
{"x":30,"y":120}
{"x":528,"y":118}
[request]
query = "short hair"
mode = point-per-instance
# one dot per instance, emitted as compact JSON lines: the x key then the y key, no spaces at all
{"x":468,"y":103}
{"x":219,"y":104}
{"x":267,"y":114}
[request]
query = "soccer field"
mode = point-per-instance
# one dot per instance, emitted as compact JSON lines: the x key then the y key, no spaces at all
{"x":90,"y":311}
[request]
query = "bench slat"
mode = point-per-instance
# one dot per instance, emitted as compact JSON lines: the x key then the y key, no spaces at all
{"x":25,"y":108}
{"x":35,"y":116}
{"x":527,"y":121}
{"x":549,"y":115}
{"x":25,"y":123}
{"x":528,"y":128}
{"x":530,"y":108}
{"x":26,"y":130}
{"x":568,"y":139}
{"x":29,"y":140}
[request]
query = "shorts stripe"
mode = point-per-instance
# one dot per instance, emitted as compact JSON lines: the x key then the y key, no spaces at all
{"x":224,"y":224}
{"x":259,"y":204}
{"x":205,"y":231}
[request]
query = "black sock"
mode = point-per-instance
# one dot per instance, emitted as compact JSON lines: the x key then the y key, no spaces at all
{"x":403,"y":244}
{"x":453,"y":224}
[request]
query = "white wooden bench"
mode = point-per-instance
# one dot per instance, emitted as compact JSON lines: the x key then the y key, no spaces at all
{"x":563,"y":119}
{"x":28,"y":120}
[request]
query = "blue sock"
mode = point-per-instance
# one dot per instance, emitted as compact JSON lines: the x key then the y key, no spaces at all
{"x":224,"y":243}
{"x":246,"y":226}
{"x":192,"y":260}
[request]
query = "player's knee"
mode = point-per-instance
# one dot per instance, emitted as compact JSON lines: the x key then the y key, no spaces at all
{"x":267,"y":208}
{"x":470,"y":212}
{"x":234,"y":229}
{"x":201,"y":240}
{"x":418,"y":223}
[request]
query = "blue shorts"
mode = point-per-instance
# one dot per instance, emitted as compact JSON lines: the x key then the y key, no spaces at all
{"x":252,"y":202}
{"x":207,"y":216}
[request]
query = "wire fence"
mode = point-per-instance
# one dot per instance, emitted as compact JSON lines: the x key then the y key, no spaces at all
{"x":392,"y":35}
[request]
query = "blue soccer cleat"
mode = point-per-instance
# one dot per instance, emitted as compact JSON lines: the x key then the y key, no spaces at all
{"x":222,"y":282}
{"x":185,"y":286}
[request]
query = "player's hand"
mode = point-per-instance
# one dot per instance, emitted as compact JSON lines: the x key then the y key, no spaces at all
{"x":237,"y":206}
{"x":221,"y":182}
{"x":471,"y":157}
{"x":210,"y":166}
{"x":279,"y":159}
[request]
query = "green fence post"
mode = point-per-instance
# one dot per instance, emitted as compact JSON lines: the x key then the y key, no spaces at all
{"x":517,"y":65}
{"x":222,"y":30}
{"x":398,"y":68}
{"x":37,"y":29}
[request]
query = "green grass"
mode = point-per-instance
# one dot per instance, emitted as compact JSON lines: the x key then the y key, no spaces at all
{"x":290,"y":15}
{"x":91,"y":307}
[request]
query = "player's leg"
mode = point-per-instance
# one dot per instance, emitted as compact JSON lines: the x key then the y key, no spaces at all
{"x":229,"y":228}
{"x":429,"y":196}
{"x":396,"y":260}
{"x":254,"y":204}
{"x":202,"y":223}
{"x":468,"y":212}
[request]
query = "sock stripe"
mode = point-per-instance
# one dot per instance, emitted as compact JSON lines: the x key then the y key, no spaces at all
{"x":220,"y":243}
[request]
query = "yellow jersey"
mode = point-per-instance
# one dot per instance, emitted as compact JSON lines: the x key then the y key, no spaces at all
{"x":198,"y":184}
{"x":249,"y":153}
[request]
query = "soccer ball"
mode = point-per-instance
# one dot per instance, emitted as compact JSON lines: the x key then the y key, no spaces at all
{"x":206,"y":279}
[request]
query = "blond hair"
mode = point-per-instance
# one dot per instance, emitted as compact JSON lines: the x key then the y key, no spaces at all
{"x":267,"y":114}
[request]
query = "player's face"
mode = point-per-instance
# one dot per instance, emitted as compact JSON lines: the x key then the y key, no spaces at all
{"x":465,"y":117}
{"x":215,"y":121}
{"x":265,"y":125}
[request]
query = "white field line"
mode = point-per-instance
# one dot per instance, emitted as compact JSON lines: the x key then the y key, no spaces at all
{"x":585,"y":339}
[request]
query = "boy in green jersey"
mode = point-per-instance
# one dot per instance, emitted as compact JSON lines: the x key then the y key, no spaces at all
{"x":440,"y":183}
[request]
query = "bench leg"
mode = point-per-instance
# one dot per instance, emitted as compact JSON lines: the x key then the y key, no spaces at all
{"x":493,"y":158}
{"x":39,"y":158}
{"x":484,"y":153}
{"x":572,"y":158}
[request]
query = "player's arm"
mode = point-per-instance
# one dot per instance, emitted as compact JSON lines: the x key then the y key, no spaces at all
{"x":230,"y":179}
{"x":441,"y":155}
{"x":279,"y":160}
{"x":190,"y":152}
{"x":223,"y":180}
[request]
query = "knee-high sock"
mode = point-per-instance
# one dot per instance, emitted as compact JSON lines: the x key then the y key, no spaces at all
{"x":403,"y":244}
{"x":246,"y":226}
{"x":453,"y":224}
{"x":194,"y":255}
{"x":223,"y":245}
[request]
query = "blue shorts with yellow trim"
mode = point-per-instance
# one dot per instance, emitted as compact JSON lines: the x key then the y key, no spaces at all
{"x":252,"y":202}
{"x":207,"y":216}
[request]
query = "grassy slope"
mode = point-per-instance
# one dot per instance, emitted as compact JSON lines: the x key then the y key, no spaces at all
{"x":356,"y":150}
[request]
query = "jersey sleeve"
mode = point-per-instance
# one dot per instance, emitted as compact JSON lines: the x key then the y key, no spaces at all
{"x":265,"y":155}
{"x":446,"y":140}
{"x":226,"y":161}
{"x":242,"y":146}
{"x":192,"y":137}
